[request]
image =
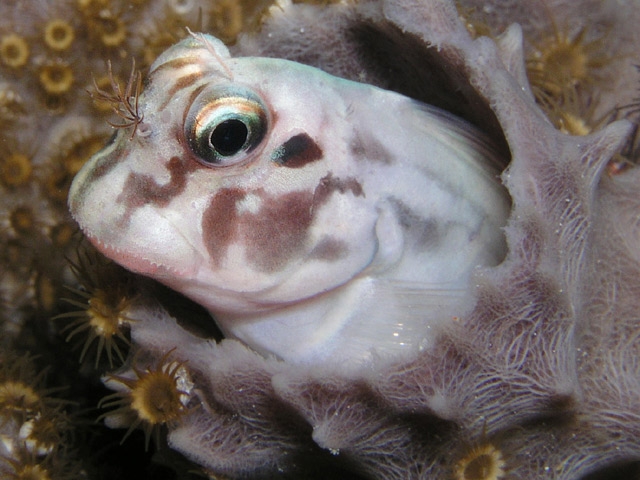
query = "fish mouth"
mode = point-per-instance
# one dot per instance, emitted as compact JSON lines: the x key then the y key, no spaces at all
{"x":137,"y":263}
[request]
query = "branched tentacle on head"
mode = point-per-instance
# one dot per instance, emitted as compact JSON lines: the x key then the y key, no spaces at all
{"x":124,"y":103}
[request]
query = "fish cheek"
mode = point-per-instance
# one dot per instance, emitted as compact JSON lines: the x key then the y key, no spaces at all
{"x":271,"y":237}
{"x":140,"y":189}
{"x":277,"y":233}
{"x":220,"y":223}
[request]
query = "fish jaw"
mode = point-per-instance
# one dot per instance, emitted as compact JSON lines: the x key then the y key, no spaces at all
{"x":123,"y":234}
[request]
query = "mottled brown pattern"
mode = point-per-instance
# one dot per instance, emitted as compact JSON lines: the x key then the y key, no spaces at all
{"x":181,"y":83}
{"x":140,"y":189}
{"x":367,"y":147}
{"x":548,"y":396}
{"x":271,"y":236}
{"x":278,"y":231}
{"x":330,"y":184}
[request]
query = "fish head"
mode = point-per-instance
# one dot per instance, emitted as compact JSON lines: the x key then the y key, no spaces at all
{"x":236,"y":187}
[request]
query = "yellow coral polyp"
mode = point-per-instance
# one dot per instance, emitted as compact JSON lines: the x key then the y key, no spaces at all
{"x":573,"y":125}
{"x":30,"y":472}
{"x":56,"y":78}
{"x":573,"y":112}
{"x":58,"y":34}
{"x":102,"y":318}
{"x":567,"y":59}
{"x":560,"y":62}
{"x":156,"y":398}
{"x":113,"y":31}
{"x":484,"y":462}
{"x":14,"y":51}
{"x":153,"y":399}
{"x":15,"y":169}
{"x":227,"y":19}
{"x":17,"y":396}
{"x":102,"y":306}
{"x":81,"y":151}
{"x":22,"y":220}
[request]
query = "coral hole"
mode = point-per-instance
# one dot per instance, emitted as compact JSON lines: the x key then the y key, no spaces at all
{"x":401,"y":62}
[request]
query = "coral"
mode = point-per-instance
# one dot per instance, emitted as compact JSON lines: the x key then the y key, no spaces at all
{"x":158,"y":396}
{"x":56,"y":78}
{"x":561,"y":61}
{"x":106,"y":294}
{"x":483,"y":462}
{"x":14,"y":51}
{"x":33,"y":425}
{"x":539,"y":381}
{"x":58,"y":34}
{"x":527,"y":374}
{"x":562,"y":68}
{"x":15,"y":169}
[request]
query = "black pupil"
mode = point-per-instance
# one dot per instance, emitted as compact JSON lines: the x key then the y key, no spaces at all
{"x":229,"y":137}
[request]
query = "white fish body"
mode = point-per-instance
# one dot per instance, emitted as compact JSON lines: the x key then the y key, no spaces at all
{"x":317,"y":219}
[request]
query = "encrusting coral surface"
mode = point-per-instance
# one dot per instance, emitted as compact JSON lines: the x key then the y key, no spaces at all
{"x":540,"y":380}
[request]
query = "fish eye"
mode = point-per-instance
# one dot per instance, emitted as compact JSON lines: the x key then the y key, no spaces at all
{"x":224,"y":124}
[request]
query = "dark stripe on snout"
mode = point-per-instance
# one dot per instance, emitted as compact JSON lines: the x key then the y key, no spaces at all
{"x":297,"y":152}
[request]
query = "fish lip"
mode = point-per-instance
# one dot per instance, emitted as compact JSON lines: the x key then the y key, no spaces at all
{"x":135,"y":263}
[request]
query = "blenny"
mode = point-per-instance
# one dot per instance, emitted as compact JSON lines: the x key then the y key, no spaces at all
{"x":317,"y":219}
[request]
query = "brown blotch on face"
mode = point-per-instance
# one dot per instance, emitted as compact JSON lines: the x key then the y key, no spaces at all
{"x":423,"y":233}
{"x":220,"y":222}
{"x":330,"y":184}
{"x":369,"y":149}
{"x":278,"y":231}
{"x":141,"y":189}
{"x":271,"y":237}
{"x":181,"y":83}
{"x":297,"y":152}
